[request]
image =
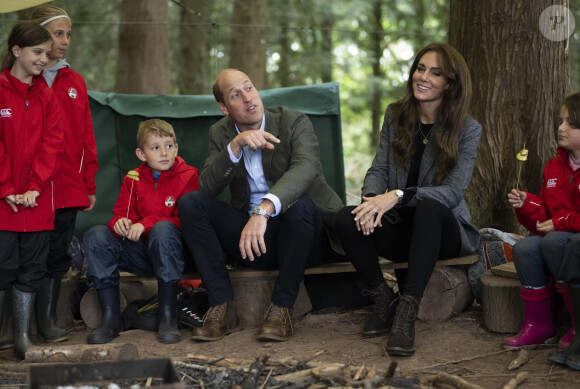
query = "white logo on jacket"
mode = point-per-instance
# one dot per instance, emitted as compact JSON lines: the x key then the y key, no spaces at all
{"x":72,"y":92}
{"x":170,"y":201}
{"x":551,"y":183}
{"x":6,"y":112}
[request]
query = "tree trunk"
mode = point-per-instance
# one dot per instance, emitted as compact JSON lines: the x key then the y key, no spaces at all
{"x":377,"y":38}
{"x":194,"y":48}
{"x":326,"y":26}
{"x":248,"y":48}
{"x":519,"y":81}
{"x":143,"y":66}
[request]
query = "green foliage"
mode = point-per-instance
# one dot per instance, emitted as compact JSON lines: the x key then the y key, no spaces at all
{"x":309,"y":41}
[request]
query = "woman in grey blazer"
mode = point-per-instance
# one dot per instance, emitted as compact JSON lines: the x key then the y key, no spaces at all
{"x":412,"y":207}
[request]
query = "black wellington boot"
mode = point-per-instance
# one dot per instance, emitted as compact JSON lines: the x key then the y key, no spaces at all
{"x":7,"y":332}
{"x":167,"y":312}
{"x":383,"y":311}
{"x":570,"y":355}
{"x":46,"y":301}
{"x":22,"y":306}
{"x":111,"y":324}
{"x":2,"y":299}
{"x":402,"y":338}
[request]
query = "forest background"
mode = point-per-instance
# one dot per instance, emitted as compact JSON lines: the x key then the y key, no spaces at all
{"x":179,"y":46}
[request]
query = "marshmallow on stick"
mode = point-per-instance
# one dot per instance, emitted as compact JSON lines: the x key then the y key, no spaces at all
{"x":521,"y":156}
{"x":134,"y":176}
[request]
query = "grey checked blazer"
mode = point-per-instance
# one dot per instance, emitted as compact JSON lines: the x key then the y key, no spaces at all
{"x":384,"y":175}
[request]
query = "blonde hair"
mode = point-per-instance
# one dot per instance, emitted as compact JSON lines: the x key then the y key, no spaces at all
{"x":43,"y":13}
{"x":154,"y":127}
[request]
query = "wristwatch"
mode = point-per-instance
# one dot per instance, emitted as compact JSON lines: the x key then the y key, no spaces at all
{"x":260,"y":211}
{"x":400,"y":195}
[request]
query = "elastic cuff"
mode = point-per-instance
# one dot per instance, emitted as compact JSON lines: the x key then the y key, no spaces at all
{"x":537,"y":294}
{"x":563,"y":288}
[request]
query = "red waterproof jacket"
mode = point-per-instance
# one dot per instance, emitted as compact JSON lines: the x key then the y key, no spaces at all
{"x":30,"y":140}
{"x":77,"y":164}
{"x":559,"y":198}
{"x":150,"y":202}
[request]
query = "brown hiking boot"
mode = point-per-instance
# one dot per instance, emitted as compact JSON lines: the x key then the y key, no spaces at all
{"x":277,"y":325}
{"x":218,"y":321}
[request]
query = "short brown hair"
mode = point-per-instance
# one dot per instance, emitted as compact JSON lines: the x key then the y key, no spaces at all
{"x":572,"y":103}
{"x":154,"y":127}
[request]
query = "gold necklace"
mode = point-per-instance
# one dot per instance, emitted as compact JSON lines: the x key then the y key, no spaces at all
{"x":425,"y":137}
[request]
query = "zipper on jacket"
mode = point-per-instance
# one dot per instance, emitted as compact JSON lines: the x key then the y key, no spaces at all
{"x":155,"y":186}
{"x":82,"y":158}
{"x":570,"y":180}
{"x":26,"y":103}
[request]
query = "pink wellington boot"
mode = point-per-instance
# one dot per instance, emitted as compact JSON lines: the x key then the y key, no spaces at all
{"x":537,"y":327}
{"x":565,"y":292}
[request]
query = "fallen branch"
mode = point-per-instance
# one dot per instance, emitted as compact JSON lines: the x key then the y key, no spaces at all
{"x":514,"y":382}
{"x":448,"y":379}
{"x":522,"y":358}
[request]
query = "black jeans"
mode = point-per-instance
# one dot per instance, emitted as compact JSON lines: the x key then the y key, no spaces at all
{"x":23,"y":259}
{"x":58,"y":261}
{"x":425,"y":234}
{"x":294,"y":240}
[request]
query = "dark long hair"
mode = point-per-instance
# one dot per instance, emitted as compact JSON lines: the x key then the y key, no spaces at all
{"x":450,"y":113}
{"x":24,"y":34}
{"x":572,"y":103}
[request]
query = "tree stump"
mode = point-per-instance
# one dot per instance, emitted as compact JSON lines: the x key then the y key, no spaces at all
{"x":64,"y":315}
{"x":447,"y":293}
{"x":253,"y":296}
{"x":503,"y":308}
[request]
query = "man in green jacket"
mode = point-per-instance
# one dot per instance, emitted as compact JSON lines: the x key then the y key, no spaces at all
{"x":269,"y":159}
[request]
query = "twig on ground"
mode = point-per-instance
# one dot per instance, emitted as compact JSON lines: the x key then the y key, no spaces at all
{"x":460,"y":360}
{"x":358,"y":373}
{"x":448,"y":379}
{"x":391,"y":369}
{"x":266,"y":380}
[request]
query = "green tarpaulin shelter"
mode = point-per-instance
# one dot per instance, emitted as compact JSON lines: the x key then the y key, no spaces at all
{"x":116,"y":118}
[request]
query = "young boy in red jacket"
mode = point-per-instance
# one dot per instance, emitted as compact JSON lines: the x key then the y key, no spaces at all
{"x":144,"y":236}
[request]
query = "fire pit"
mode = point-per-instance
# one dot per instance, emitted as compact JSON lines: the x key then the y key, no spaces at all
{"x":126,"y":374}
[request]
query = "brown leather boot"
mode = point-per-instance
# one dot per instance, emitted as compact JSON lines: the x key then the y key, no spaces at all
{"x":218,"y":321}
{"x":277,"y":324}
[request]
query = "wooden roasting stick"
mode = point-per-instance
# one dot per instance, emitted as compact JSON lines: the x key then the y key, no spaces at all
{"x":133,"y":175}
{"x":522,"y":156}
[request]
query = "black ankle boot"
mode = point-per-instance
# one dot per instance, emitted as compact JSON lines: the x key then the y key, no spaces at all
{"x":402,"y":338}
{"x":383,"y":311}
{"x":111,"y":324}
{"x":570,"y":355}
{"x":167,"y":311}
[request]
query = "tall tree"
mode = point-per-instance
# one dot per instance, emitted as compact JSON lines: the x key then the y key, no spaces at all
{"x":520,"y":78}
{"x":143,"y":65}
{"x":377,"y":38}
{"x":194,"y":47}
{"x":248,"y":47}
